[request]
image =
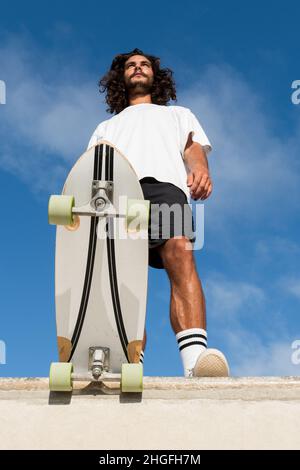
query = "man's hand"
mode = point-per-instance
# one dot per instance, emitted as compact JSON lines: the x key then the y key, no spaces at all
{"x":199,"y":182}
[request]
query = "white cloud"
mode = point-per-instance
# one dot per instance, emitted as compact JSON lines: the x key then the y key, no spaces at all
{"x":250,"y":356}
{"x":50,"y":113}
{"x":291,"y":286}
{"x":244,"y":324}
{"x":229,"y":299}
{"x":267,"y":249}
{"x":255,"y":171}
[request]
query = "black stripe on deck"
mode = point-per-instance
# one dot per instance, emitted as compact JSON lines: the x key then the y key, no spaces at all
{"x":112,"y":260}
{"x":98,"y":159}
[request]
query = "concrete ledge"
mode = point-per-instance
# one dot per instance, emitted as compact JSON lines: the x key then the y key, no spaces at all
{"x":231,"y":388}
{"x":172,"y":413}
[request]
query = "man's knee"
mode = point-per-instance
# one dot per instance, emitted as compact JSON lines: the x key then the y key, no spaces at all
{"x":177,"y":250}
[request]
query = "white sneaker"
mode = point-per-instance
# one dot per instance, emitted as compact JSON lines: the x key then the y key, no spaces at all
{"x":211,"y":363}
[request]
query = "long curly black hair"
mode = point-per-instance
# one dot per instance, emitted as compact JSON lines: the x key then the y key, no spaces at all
{"x":163,"y":88}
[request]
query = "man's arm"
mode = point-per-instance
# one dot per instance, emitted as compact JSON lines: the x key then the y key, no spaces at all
{"x":199,"y":179}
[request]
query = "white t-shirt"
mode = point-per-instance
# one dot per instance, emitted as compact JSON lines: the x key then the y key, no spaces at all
{"x":153,"y":138}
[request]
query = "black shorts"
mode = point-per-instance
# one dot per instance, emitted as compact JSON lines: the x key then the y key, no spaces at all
{"x":165,"y":223}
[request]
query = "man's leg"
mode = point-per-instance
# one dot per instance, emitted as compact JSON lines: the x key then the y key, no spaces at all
{"x":187,"y":306}
{"x":187,"y":311}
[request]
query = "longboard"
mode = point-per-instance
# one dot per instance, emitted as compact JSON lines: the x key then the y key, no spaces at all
{"x":101,"y":271}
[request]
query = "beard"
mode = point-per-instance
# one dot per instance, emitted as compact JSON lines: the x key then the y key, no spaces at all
{"x":142,"y":86}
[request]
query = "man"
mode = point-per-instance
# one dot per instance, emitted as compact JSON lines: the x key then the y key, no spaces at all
{"x":167,"y":147}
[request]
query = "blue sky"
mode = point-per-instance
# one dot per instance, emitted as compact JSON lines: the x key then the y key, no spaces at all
{"x":233,"y":65}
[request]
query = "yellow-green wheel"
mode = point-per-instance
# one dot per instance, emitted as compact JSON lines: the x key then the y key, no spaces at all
{"x":60,"y":377}
{"x":60,"y":209}
{"x":137,"y":216}
{"x":132,"y":378}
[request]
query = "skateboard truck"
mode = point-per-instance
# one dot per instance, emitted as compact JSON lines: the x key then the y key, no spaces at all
{"x":100,"y":205}
{"x":63,"y":211}
{"x":101,"y":194}
{"x":98,"y":361}
{"x":130,"y":378}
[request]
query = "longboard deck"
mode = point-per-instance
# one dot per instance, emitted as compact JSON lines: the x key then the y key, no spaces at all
{"x":100,"y":280}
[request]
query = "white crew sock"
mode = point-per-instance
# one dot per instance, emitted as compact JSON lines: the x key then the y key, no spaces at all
{"x":191,"y":344}
{"x":141,"y":358}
